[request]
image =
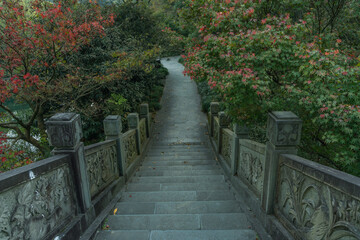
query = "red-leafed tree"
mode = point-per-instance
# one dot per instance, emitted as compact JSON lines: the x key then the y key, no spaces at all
{"x":36,"y":41}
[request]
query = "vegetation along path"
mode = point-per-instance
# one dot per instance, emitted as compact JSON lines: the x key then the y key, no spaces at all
{"x":179,"y":192}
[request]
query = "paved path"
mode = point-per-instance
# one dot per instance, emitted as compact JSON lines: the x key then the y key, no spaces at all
{"x":179,"y":192}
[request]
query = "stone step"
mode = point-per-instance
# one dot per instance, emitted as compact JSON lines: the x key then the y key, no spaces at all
{"x":180,"y":168}
{"x":167,"y":143}
{"x":186,"y":207}
{"x":189,"y":152}
{"x":179,"y":147}
{"x":155,"y":172}
{"x":203,"y":235}
{"x":180,"y":157}
{"x":176,"y":196}
{"x":177,"y":235}
{"x":178,"y":179}
{"x":179,"y":163}
{"x":123,"y":235}
{"x":217,"y":221}
{"x":151,"y":187}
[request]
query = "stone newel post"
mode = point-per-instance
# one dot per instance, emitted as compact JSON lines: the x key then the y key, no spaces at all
{"x":283,"y":133}
{"x":214,"y":110}
{"x":240,"y":132}
{"x":112,"y":129}
{"x":65,"y":132}
{"x":144,"y":113}
{"x":133,"y":122}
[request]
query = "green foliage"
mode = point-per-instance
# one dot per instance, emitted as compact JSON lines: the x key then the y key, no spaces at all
{"x":258,"y":63}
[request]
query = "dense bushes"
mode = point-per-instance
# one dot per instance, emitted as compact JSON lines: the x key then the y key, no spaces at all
{"x":259,"y":60}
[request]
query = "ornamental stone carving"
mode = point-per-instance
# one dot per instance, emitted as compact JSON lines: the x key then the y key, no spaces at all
{"x":130,"y":147}
{"x":284,"y":129}
{"x":316,"y":210}
{"x":226,"y":150}
{"x":112,"y":125}
{"x":251,"y":167}
{"x":102,"y":167}
{"x":37,"y":208}
{"x":216,"y":130}
{"x":142,"y":131}
{"x":64,"y":130}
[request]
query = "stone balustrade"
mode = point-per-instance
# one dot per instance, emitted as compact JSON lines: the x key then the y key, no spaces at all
{"x":62,"y":196}
{"x":292,"y":197}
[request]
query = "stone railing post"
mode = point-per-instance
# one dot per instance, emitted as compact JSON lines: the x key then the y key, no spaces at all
{"x":240,"y":132}
{"x":223,"y":123}
{"x":113,"y":130}
{"x":283,"y":133}
{"x":214,"y":110}
{"x":133,"y":122}
{"x":64,"y":133}
{"x":144,"y":113}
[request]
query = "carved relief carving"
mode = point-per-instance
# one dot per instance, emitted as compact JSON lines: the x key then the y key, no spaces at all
{"x":130,"y":147}
{"x":316,"y":210}
{"x":142,"y":132}
{"x":226,"y":146}
{"x":36,"y":208}
{"x":251,"y":167}
{"x":288,"y":134}
{"x":216,"y":130}
{"x":102,"y":168}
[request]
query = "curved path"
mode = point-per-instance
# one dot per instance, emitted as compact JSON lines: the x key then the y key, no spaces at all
{"x":179,"y":192}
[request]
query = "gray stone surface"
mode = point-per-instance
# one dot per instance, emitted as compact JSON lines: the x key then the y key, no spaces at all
{"x":124,"y":235}
{"x":180,"y":163}
{"x":198,"y":207}
{"x":204,"y":235}
{"x":159,"y":196}
{"x":156,"y":172}
{"x":179,"y":179}
{"x":224,"y":221}
{"x":155,"y":222}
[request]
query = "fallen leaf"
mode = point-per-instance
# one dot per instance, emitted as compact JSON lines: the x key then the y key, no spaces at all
{"x":115,"y":210}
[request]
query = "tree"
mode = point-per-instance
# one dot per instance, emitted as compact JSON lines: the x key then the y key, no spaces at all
{"x":36,"y":40}
{"x":261,"y":62}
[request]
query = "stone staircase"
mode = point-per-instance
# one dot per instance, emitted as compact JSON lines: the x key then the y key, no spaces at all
{"x":178,"y":193}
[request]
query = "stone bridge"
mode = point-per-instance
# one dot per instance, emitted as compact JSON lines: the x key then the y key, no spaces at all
{"x":178,"y":175}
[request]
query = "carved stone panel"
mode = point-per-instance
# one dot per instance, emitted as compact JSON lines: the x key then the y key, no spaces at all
{"x":251,"y":167}
{"x":216,"y":130}
{"x":315,"y":210}
{"x":130,"y":146}
{"x":226,"y":150}
{"x":142,"y":132}
{"x":102,"y":167}
{"x":39,"y":207}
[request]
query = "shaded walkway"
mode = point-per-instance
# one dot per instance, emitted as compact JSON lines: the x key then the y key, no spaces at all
{"x":180,"y":191}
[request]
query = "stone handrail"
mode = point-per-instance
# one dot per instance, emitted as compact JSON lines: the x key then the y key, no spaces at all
{"x":226,"y":145}
{"x":101,"y":165}
{"x":216,"y":131}
{"x":251,"y":164}
{"x":62,"y":196}
{"x":143,"y":135}
{"x":38,"y":200}
{"x":317,"y":202}
{"x":294,"y":198}
{"x":130,"y":148}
